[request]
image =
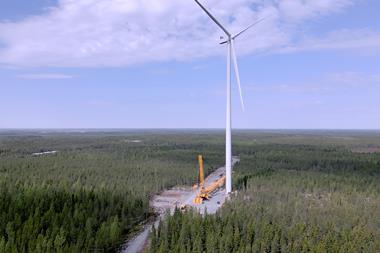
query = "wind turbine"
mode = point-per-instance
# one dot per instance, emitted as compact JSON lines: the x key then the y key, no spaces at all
{"x":231,"y":56}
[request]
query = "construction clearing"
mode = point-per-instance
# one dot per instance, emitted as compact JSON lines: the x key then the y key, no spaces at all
{"x":208,"y":189}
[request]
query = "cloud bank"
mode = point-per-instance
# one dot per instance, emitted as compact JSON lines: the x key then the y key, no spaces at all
{"x":96,"y":33}
{"x":45,"y":76}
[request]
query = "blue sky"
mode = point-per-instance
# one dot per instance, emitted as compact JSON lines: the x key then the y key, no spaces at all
{"x":157,"y":64}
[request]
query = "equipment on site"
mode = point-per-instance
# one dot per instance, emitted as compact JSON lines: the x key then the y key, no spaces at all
{"x":205,"y":192}
{"x":201,"y":177}
{"x":231,"y":55}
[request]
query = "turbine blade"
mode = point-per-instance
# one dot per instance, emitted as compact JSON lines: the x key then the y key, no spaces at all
{"x":237,"y":74}
{"x":249,"y":27}
{"x":213,"y":18}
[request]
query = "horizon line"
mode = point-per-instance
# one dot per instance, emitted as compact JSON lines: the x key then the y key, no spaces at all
{"x":182,"y":128}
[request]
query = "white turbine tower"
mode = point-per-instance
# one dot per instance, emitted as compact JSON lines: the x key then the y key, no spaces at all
{"x":231,"y":56}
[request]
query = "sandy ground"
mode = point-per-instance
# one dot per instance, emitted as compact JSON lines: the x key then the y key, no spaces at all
{"x":178,"y":196}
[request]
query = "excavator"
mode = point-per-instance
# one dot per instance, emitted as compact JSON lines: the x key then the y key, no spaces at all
{"x":206,"y":192}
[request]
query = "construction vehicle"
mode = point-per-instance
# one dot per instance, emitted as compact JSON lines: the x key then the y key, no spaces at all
{"x":205,"y":192}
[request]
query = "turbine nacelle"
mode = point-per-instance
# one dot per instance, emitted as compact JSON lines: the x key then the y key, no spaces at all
{"x":241,"y":32}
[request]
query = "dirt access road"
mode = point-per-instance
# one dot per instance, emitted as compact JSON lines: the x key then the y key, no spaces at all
{"x":169,"y":199}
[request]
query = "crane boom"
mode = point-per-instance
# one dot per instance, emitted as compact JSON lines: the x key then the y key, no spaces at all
{"x":201,"y":171}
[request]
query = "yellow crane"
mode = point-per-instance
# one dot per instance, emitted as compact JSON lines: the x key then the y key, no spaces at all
{"x":201,"y":176}
{"x":205,"y":192}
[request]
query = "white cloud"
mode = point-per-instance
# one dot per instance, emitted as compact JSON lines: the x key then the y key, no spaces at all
{"x":366,"y":40}
{"x":45,"y":76}
{"x":329,"y":83}
{"x":354,"y":79}
{"x":125,"y":32}
{"x":299,"y":10}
